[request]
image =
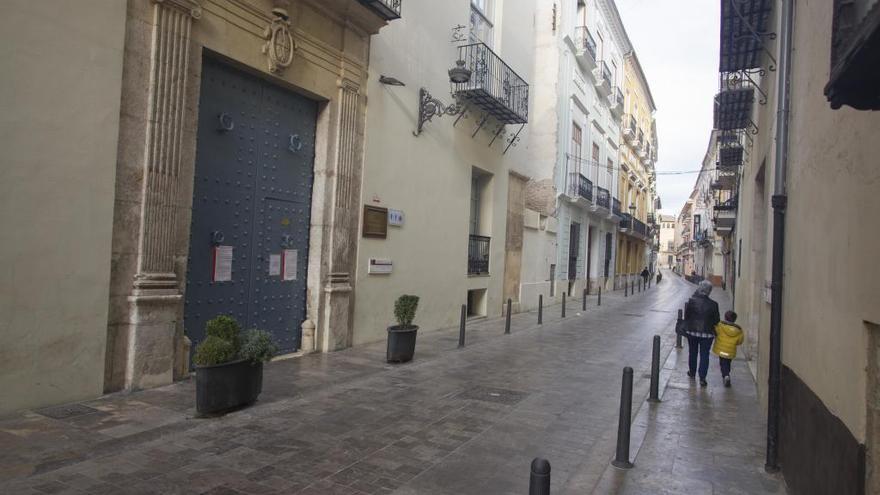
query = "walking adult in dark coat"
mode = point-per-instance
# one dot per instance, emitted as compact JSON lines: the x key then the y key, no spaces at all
{"x":700,"y":315}
{"x":645,"y":274}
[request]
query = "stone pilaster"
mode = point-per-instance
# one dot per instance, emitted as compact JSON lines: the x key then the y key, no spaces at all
{"x":155,"y":298}
{"x":338,"y":290}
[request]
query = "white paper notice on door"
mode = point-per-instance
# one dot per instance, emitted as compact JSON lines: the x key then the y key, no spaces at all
{"x":274,"y":265}
{"x":288,"y":264}
{"x":222,"y":269}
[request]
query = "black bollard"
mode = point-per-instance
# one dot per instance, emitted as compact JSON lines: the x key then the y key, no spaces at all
{"x":507,"y":321}
{"x":678,"y":335}
{"x":461,"y":326}
{"x":640,"y":284}
{"x":625,"y":288}
{"x":584,"y":305}
{"x":654,"y":395}
{"x":563,"y":304}
{"x":632,"y":287}
{"x":600,"y":296}
{"x":540,"y":309}
{"x":621,"y":459}
{"x":539,"y":479}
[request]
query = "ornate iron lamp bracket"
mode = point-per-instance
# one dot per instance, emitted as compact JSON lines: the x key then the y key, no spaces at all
{"x":430,"y":107}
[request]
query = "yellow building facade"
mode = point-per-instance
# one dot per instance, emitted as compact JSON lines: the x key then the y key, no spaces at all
{"x":637,"y":179}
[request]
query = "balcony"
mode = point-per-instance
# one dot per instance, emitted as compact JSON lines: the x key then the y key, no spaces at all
{"x":633,"y":226}
{"x":586,"y":48}
{"x":615,"y":207}
{"x":617,"y":103}
{"x":603,"y":198}
{"x":629,"y":129}
{"x":580,"y":188}
{"x":493,"y":86}
{"x":386,"y":9}
{"x":478,"y":255}
{"x":602,"y":76}
{"x":725,"y":216}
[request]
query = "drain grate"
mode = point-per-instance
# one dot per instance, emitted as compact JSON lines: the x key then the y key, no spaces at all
{"x":497,"y":395}
{"x":661,"y":310}
{"x":66,"y":411}
{"x":633,"y":314}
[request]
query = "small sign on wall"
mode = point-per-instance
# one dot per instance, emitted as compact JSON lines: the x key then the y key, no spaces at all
{"x":375,"y":222}
{"x":274,"y":265}
{"x":221,"y":270}
{"x":380,"y":266}
{"x":289,"y":264}
{"x":395,"y":218}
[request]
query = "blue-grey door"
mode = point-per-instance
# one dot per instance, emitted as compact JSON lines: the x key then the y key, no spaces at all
{"x":252,"y":194}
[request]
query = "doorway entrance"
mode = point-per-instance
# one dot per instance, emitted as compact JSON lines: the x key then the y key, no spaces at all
{"x":249,"y":237}
{"x":574,"y":247}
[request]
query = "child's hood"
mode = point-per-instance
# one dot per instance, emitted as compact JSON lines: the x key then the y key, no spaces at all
{"x":729,"y":329}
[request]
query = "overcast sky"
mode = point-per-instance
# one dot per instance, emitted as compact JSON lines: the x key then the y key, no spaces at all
{"x":677,"y":44}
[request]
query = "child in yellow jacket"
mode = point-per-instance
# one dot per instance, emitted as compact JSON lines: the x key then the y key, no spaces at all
{"x":728,"y":335}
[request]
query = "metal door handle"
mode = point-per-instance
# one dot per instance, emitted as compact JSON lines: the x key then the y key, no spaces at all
{"x":217,"y":237}
{"x":226,"y":122}
{"x":295,"y":143}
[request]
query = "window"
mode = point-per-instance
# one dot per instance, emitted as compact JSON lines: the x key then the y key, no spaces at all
{"x":855,"y":42}
{"x":576,"y":145}
{"x":475,"y":205}
{"x":481,"y":22}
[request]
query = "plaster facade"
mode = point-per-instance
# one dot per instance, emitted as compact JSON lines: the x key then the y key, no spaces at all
{"x":453,"y":181}
{"x":830,"y":286}
{"x":666,"y":257}
{"x":62,"y":72}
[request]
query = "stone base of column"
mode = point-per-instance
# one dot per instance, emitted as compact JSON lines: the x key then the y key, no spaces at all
{"x":153,"y":314}
{"x":336,"y":331}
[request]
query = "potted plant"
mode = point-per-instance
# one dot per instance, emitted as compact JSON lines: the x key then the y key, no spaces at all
{"x":229,"y":368}
{"x":402,"y":337}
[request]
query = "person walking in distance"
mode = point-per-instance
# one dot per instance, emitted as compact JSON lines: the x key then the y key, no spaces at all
{"x":700,"y":316}
{"x":728,"y":336}
{"x":645,"y":275}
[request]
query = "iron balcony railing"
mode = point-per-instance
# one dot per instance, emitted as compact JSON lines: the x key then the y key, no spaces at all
{"x":625,"y":221}
{"x":641,"y":136}
{"x":728,"y":205}
{"x":603,"y":197}
{"x":606,"y":73}
{"x":493,"y":85}
{"x":615,"y":206}
{"x":651,"y":218}
{"x":581,"y":186}
{"x":618,"y":96}
{"x":387,"y":9}
{"x":478,"y":255}
{"x":586,"y":42}
{"x":639,"y":227}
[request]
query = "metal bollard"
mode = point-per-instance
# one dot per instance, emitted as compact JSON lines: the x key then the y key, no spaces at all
{"x":539,"y":479}
{"x":540,"y":309}
{"x":654,"y":395}
{"x":678,"y":335}
{"x":461,"y":326}
{"x":640,"y":284}
{"x":625,"y":288}
{"x":621,"y":459}
{"x":584,"y":305}
{"x":564,"y":295}
{"x":507,"y":321}
{"x":600,"y":296}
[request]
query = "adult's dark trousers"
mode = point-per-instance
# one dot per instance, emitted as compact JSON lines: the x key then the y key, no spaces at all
{"x":699,"y":347}
{"x":725,"y":366}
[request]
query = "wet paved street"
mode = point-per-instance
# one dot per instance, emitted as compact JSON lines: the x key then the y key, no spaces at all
{"x":451,"y":422}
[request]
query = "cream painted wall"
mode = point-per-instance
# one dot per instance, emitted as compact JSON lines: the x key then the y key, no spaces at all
{"x":429,"y":177}
{"x":831,"y":250}
{"x":62,"y":70}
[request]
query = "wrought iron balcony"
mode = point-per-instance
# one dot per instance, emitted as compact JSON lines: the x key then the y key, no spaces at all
{"x":625,"y":222}
{"x":615,"y":206}
{"x":617,"y":103}
{"x":586,"y":48}
{"x":493,"y":85}
{"x":730,"y":157}
{"x":478,"y":255}
{"x":602,"y":75}
{"x":387,"y":9}
{"x":603,"y":198}
{"x":639,"y":228}
{"x":581,"y":187}
{"x":629,"y":129}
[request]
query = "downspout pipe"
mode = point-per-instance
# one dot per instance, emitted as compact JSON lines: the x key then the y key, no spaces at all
{"x":779,"y":202}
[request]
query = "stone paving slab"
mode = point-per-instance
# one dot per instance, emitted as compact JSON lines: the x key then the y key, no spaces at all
{"x":451,"y":422}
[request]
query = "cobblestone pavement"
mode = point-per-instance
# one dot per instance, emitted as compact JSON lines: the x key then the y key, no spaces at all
{"x":451,"y":422}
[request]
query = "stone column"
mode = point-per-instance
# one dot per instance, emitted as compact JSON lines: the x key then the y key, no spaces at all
{"x":156,"y":297}
{"x":338,"y":291}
